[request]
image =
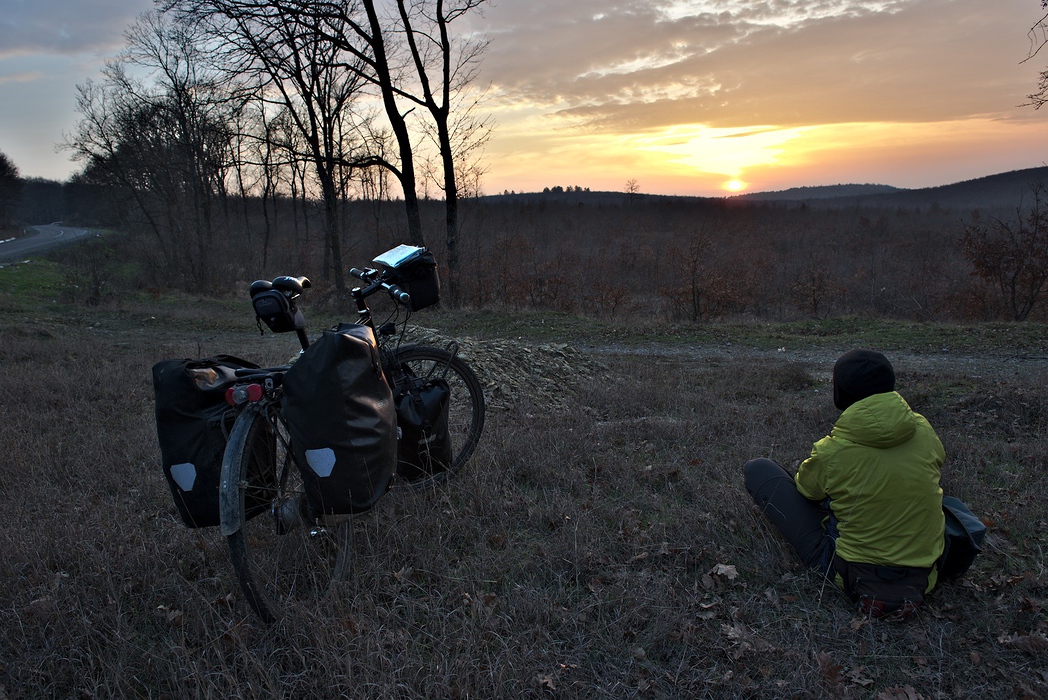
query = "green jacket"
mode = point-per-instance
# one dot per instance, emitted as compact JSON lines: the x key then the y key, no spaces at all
{"x":879,"y":467}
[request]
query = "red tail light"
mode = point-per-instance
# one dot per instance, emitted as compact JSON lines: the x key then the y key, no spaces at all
{"x":243,"y":393}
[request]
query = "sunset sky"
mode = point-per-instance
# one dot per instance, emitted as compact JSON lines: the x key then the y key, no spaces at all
{"x":699,"y":97}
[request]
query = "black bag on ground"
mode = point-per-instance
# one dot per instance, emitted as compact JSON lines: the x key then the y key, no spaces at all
{"x":424,"y":448}
{"x":340,"y":413}
{"x":883,"y":590}
{"x":964,"y":536}
{"x":192,"y":425}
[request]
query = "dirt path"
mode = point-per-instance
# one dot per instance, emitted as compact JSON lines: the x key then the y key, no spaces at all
{"x":990,"y":366}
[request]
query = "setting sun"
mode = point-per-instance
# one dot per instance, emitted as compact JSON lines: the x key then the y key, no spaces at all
{"x":734,"y":185}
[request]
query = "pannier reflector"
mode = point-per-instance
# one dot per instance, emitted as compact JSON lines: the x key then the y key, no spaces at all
{"x":184,"y":475}
{"x":322,"y":461}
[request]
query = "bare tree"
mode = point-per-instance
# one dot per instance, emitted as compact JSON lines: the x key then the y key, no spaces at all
{"x":434,"y":75}
{"x":289,"y":54}
{"x":1038,"y":35}
{"x":632,"y":189}
{"x":10,"y":189}
{"x":1012,"y":256}
{"x":410,"y":58}
{"x":457,"y":134}
{"x":164,"y":138}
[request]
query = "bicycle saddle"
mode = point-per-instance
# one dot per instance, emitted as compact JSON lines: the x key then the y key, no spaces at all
{"x":295,"y":285}
{"x":289,"y":286}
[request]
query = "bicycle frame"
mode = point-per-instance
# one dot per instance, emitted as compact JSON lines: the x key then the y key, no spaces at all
{"x":434,"y":448}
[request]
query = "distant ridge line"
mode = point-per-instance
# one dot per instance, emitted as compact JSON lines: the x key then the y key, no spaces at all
{"x":818,"y":192}
{"x":1007,"y":190}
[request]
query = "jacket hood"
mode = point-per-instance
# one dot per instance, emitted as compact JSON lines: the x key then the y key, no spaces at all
{"x":882,"y":421}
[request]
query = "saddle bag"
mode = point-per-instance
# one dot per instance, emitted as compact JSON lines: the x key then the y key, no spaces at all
{"x":424,"y":449}
{"x":193,"y":422}
{"x":342,"y":421}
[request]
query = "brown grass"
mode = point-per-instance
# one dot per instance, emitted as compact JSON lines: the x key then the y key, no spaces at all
{"x":600,"y":548}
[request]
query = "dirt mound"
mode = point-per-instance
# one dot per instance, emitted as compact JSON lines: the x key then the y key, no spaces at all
{"x":511,"y":371}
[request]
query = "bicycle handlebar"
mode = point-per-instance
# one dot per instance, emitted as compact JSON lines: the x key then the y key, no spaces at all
{"x":373,"y":277}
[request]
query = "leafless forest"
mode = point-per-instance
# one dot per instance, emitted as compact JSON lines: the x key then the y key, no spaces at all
{"x":234,"y":139}
{"x":617,"y":257}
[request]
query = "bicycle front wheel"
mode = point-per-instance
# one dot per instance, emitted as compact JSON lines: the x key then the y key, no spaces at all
{"x":279,"y":552}
{"x":415,"y":364}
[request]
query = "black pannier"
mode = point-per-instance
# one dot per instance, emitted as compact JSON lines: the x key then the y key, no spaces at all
{"x":340,"y":413}
{"x":414,"y":270}
{"x":424,"y":448}
{"x":964,"y":537}
{"x":193,"y":422}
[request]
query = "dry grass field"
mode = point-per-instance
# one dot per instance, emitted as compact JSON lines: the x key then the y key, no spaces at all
{"x":599,"y":545}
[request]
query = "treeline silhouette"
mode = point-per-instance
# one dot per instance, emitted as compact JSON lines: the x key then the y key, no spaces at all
{"x":605,"y":254}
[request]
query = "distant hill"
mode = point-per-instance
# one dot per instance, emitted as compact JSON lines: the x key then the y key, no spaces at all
{"x":800,"y":194}
{"x":1004,"y":191}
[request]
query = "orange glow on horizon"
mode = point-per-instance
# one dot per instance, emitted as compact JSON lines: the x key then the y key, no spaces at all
{"x":701,"y":161}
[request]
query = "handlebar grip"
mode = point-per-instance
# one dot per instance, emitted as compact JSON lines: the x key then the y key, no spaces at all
{"x":400,"y":295}
{"x":365,"y":275}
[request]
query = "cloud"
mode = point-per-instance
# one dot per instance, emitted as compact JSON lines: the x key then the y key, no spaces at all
{"x":64,"y":27}
{"x":24,"y":77}
{"x":727,"y":63}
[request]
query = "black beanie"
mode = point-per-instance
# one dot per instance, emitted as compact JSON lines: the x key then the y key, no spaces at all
{"x":861,"y":373}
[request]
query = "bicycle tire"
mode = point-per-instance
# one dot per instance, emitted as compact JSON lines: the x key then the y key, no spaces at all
{"x":466,"y":406}
{"x":275,"y":562}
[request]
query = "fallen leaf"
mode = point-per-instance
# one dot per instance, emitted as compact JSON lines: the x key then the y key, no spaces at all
{"x":1027,"y":643}
{"x":736,"y":632}
{"x":856,"y":676}
{"x":726,"y":570}
{"x":831,"y":672}
{"x":175,"y":618}
{"x":546,"y":682}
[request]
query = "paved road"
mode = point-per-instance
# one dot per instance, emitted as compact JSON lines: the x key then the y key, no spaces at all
{"x":39,"y":239}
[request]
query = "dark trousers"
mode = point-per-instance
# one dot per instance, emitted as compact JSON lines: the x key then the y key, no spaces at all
{"x":807,"y":525}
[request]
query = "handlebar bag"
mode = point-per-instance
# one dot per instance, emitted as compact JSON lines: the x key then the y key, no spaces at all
{"x":342,"y":421}
{"x":193,"y":422}
{"x":424,"y":448}
{"x":418,"y":277}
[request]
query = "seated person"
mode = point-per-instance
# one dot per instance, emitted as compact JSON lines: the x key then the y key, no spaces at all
{"x":865,"y":508}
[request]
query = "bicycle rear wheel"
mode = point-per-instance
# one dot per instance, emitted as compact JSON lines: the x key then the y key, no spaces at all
{"x":279,"y":552}
{"x":465,"y":417}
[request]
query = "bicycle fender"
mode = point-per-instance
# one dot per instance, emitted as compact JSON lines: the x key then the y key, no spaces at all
{"x":229,"y":504}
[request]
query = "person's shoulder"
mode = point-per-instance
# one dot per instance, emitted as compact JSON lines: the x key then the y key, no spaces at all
{"x":825,"y":447}
{"x":922,"y":422}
